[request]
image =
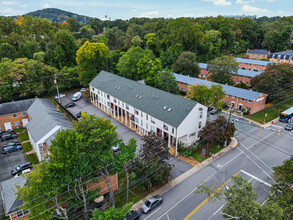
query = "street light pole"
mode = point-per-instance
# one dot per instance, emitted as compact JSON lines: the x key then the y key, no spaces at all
{"x":55,"y":81}
{"x":227,"y":123}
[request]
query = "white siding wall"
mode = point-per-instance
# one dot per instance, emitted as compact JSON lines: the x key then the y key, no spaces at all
{"x":33,"y":143}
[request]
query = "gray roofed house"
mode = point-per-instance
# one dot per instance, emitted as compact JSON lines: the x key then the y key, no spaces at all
{"x":248,"y":73}
{"x":15,"y":106}
{"x":229,"y":90}
{"x":257,"y":51}
{"x":145,"y":98}
{"x":287,"y":55}
{"x":8,"y":190}
{"x":255,"y":62}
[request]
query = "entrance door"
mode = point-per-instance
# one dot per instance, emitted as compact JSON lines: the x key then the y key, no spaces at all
{"x":7,"y":126}
{"x":240,"y":107}
{"x":24,"y":122}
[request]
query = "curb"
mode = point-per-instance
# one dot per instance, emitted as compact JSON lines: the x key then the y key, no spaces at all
{"x":164,"y":189}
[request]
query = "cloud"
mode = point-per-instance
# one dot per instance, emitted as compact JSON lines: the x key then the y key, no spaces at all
{"x":149,"y":13}
{"x":9,"y":12}
{"x":46,"y":5}
{"x":241,"y":2}
{"x":255,"y":10}
{"x":9,"y":3}
{"x":220,"y":2}
{"x":23,"y":6}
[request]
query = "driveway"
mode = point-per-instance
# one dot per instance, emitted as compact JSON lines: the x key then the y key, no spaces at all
{"x":123,"y":132}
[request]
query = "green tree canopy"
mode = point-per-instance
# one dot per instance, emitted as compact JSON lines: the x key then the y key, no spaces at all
{"x":167,"y":58}
{"x":186,"y":64}
{"x":7,"y":50}
{"x":166,"y":81}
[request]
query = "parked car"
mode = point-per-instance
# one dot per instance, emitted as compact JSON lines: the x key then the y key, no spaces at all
{"x":61,"y":96}
{"x":76,"y":96}
{"x":152,"y":203}
{"x":234,"y":120}
{"x":6,"y":132}
{"x":289,"y":127}
{"x":21,"y":167}
{"x":78,"y":115}
{"x":22,"y":172}
{"x":134,"y":215}
{"x":213,"y":111}
{"x":11,"y":143}
{"x":11,"y":148}
{"x":82,"y":89}
{"x":8,"y":136}
{"x":70,"y":104}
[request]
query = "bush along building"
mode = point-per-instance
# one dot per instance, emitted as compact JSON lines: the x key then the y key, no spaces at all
{"x":146,"y":109}
{"x":282,"y":57}
{"x":257,"y":54}
{"x":239,"y":99}
{"x":242,"y":76}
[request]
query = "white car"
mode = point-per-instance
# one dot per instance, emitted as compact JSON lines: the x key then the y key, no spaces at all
{"x":116,"y":148}
{"x":82,"y":89}
{"x":22,"y":172}
{"x":61,"y":96}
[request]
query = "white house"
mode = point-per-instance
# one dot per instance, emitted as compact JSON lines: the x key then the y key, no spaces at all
{"x":45,"y":122}
{"x":146,"y":109}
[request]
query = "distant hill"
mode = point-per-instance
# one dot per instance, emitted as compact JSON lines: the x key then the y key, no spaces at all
{"x":57,"y":15}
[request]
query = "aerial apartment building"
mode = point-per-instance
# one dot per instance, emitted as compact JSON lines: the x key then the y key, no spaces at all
{"x":146,"y":109}
{"x":282,"y":57}
{"x":257,"y":54}
{"x":236,"y":98}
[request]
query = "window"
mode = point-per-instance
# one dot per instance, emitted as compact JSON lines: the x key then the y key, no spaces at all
{"x":173,"y":130}
{"x":136,"y":120}
{"x":233,"y":97}
{"x":127,"y":106}
{"x":227,"y":95}
{"x":249,"y":101}
{"x":108,"y":97}
{"x":200,"y":114}
{"x":147,"y":126}
{"x":118,"y":102}
{"x":14,"y":115}
{"x":147,"y":117}
{"x":152,"y":120}
{"x":136,"y":112}
{"x":23,"y":114}
{"x":122,"y":105}
{"x":93,"y":89}
{"x":115,"y":101}
{"x":165,"y":127}
{"x":198,"y":135}
{"x":141,"y":114}
{"x":141,"y":123}
{"x":199,"y":124}
{"x":22,"y":213}
{"x":16,"y":124}
{"x":242,"y":99}
{"x":153,"y":129}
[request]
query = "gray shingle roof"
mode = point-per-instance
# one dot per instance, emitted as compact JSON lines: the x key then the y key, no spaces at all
{"x":229,"y":90}
{"x":8,"y":190}
{"x":264,"y":52}
{"x":257,"y":62}
{"x":145,"y":98}
{"x":248,"y":73}
{"x":284,"y":54}
{"x":15,"y":107}
{"x":44,"y":117}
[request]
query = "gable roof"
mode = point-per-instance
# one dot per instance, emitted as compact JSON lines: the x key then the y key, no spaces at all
{"x":248,"y":73}
{"x":145,"y":98}
{"x":44,"y":117}
{"x":8,"y":190}
{"x":264,"y":52}
{"x":249,"y":61}
{"x":229,"y":90}
{"x":15,"y":106}
{"x":283,"y":55}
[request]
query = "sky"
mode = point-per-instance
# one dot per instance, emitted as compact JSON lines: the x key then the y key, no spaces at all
{"x":125,"y":9}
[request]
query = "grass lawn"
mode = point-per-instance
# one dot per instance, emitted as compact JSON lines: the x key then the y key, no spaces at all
{"x":23,"y":137}
{"x":32,"y":158}
{"x":18,"y":130}
{"x":212,"y":149}
{"x":26,"y":147}
{"x":272,"y":112}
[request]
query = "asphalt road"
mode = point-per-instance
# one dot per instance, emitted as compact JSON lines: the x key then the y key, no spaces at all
{"x":123,"y":132}
{"x":257,"y":152}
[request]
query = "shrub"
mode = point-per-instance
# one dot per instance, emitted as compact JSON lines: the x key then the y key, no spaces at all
{"x":18,"y":130}
{"x":32,"y":158}
{"x":23,"y":137}
{"x":26,"y":147}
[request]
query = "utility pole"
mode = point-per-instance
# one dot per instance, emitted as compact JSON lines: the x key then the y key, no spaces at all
{"x":227,"y":124}
{"x":55,"y":82}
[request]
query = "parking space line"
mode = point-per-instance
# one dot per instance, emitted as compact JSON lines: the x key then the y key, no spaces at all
{"x":152,"y":213}
{"x":256,"y":178}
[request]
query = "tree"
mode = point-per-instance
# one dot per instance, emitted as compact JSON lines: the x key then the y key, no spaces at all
{"x":166,"y":81}
{"x":27,"y":49}
{"x":115,"y":38}
{"x":222,"y":69}
{"x":218,"y":132}
{"x":148,"y":69}
{"x":7,"y":50}
{"x":242,"y":85}
{"x":40,"y":56}
{"x":152,"y":164}
{"x":212,"y":96}
{"x":186,"y":64}
{"x":132,"y":31}
{"x":91,"y":59}
{"x":127,"y":65}
{"x":167,"y":58}
{"x":111,"y":213}
{"x":68,"y":78}
{"x":73,"y":24}
{"x":112,"y":60}
{"x":275,"y":81}
{"x":153,"y":43}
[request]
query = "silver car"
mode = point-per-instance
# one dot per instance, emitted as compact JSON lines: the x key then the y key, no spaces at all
{"x":151,"y":204}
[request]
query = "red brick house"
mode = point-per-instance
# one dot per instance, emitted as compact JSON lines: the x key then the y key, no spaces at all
{"x":282,"y":57}
{"x":253,"y":65}
{"x":239,"y":99}
{"x":257,"y":54}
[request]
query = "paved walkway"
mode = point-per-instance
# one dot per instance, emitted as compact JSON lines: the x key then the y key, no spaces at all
{"x":187,"y":174}
{"x":188,"y":160}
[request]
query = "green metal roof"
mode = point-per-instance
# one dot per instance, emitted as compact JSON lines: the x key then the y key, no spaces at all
{"x":169,"y":108}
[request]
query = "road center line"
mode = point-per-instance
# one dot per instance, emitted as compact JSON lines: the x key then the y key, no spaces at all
{"x":201,"y":204}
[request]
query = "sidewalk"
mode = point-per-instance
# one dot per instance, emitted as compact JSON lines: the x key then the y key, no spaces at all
{"x":164,"y":189}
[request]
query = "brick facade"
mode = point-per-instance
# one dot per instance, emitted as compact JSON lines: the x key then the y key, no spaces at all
{"x":235,"y":102}
{"x":252,"y":67}
{"x":13,"y":216}
{"x":102,"y":184}
{"x":257,"y":54}
{"x":15,"y":120}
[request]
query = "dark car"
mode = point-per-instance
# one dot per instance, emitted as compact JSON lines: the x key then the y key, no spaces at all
{"x":11,"y":143}
{"x":289,"y":127}
{"x":21,"y":167}
{"x":133,"y":215}
{"x":70,"y":104}
{"x":151,"y":204}
{"x":11,"y":148}
{"x":8,"y":136}
{"x":78,"y":115}
{"x":7,"y":132}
